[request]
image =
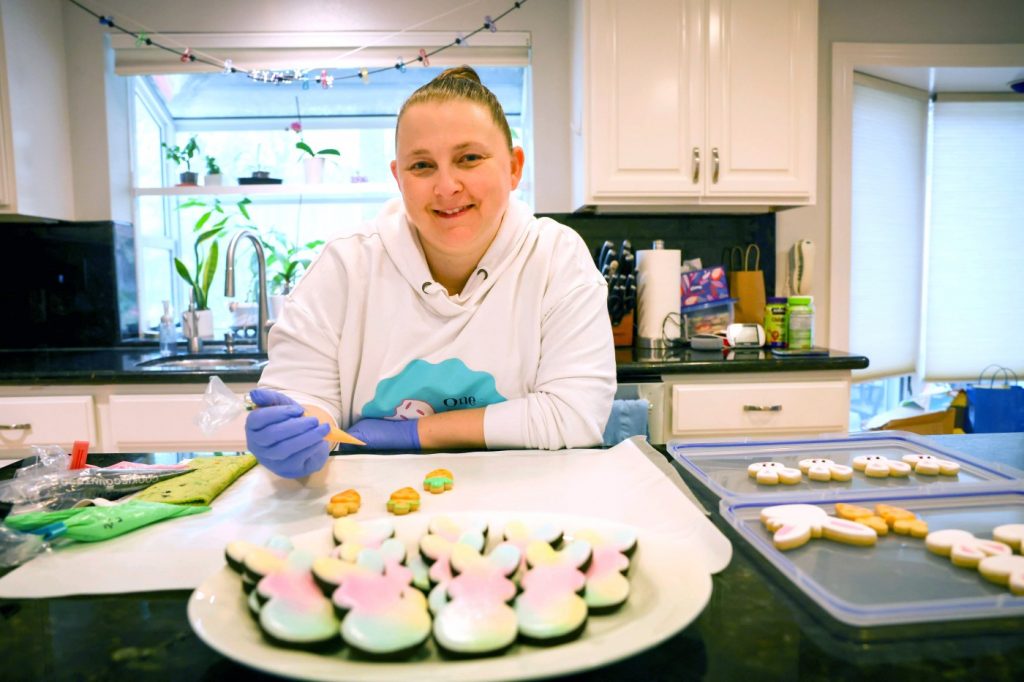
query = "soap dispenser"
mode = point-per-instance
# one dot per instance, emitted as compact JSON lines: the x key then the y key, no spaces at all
{"x":168,"y":335}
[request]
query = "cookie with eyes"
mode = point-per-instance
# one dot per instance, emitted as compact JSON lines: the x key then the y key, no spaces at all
{"x":928,"y":465}
{"x":773,"y":473}
{"x":879,"y":466}
{"x":550,"y":609}
{"x":824,"y":469}
{"x":473,"y":616}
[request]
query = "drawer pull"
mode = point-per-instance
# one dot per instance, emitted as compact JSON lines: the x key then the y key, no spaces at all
{"x":15,"y":427}
{"x":762,"y":408}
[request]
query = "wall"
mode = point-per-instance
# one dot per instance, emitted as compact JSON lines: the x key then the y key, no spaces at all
{"x":99,"y":149}
{"x":879,"y":21}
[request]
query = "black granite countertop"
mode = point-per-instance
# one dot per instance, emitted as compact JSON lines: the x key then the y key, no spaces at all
{"x":120,"y":365}
{"x":753,"y":628}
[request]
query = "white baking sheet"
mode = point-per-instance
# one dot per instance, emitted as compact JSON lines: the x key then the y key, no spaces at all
{"x":629,"y":483}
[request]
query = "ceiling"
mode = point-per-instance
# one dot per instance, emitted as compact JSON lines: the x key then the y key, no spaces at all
{"x":949,"y":79}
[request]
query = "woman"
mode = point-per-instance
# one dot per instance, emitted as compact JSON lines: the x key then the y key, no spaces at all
{"x":456,"y":319}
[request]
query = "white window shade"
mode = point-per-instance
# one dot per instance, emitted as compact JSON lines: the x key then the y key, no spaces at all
{"x":975,"y":269}
{"x":313,"y":50}
{"x":887,"y":225}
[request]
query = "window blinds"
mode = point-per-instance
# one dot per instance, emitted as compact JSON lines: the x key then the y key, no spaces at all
{"x":887,"y":225}
{"x":975,"y":283}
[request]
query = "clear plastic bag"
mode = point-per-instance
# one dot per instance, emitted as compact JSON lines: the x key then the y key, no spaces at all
{"x":16,"y":547}
{"x":61,"y":489}
{"x":50,"y":459}
{"x":221,"y":406}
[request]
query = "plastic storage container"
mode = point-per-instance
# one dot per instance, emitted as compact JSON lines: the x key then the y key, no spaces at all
{"x":800,"y":322}
{"x":707,"y":318}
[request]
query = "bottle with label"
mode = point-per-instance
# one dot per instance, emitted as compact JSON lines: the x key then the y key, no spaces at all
{"x":168,"y":335}
{"x":775,"y":322}
{"x":800,"y":322}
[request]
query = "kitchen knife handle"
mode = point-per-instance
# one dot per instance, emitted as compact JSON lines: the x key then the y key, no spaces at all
{"x":696,"y":165}
{"x":762,"y":408}
{"x":15,"y":427}
{"x":714,"y":161}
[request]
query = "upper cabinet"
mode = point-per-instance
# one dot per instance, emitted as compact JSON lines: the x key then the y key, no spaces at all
{"x":35,"y":142}
{"x":690,"y":103}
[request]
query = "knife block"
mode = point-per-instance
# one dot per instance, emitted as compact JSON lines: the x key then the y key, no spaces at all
{"x":622,"y":333}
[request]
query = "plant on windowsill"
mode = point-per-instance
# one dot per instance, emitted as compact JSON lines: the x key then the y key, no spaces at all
{"x":183,"y":156}
{"x":213,"y":175}
{"x":286,"y":262}
{"x":207,"y":254}
{"x":312,"y":160}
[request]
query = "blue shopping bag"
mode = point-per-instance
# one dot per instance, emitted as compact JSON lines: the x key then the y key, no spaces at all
{"x":995,"y":409}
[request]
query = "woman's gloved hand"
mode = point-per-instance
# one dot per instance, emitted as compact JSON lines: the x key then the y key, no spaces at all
{"x":290,"y":445}
{"x":387,"y":434}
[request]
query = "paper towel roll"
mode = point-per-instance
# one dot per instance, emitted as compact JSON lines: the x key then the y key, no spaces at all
{"x":657,"y":297}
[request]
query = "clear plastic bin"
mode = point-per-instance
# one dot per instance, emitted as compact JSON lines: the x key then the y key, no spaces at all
{"x":707,"y":318}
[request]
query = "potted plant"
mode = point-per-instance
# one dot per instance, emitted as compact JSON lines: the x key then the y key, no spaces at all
{"x":213,"y":176}
{"x":313,"y":160}
{"x":207,"y":254}
{"x":285,"y":264}
{"x":183,"y":156}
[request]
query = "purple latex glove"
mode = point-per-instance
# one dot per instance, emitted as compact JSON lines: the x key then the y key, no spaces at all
{"x":387,"y":434}
{"x":290,"y":445}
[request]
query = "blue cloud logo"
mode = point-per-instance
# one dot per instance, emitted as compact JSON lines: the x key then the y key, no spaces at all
{"x":423,"y":388}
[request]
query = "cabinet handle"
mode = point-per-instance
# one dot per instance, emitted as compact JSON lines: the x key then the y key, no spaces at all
{"x":15,"y":427}
{"x":714,"y":161}
{"x":762,"y":408}
{"x":696,"y":165}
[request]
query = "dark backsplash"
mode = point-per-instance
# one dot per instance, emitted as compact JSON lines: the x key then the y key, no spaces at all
{"x":704,"y":236}
{"x":68,"y":285}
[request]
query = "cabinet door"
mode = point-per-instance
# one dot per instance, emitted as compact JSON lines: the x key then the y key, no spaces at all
{"x":51,"y":420}
{"x":762,"y":109}
{"x":644,"y":110}
{"x":140,"y":423}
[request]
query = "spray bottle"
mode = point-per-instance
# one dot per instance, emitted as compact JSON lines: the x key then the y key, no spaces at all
{"x":168,"y":335}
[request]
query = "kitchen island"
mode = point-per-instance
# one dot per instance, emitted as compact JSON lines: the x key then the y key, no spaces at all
{"x":754,"y":627}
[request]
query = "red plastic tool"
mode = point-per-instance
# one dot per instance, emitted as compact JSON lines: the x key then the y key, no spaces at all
{"x":79,"y":451}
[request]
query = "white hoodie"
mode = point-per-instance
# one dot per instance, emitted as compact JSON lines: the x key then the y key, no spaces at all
{"x":368,"y":333}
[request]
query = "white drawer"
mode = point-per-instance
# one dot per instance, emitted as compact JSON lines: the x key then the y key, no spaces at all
{"x":168,"y":422}
{"x":767,"y":408}
{"x":50,"y":420}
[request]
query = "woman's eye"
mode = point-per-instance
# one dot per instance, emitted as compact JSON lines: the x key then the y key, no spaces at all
{"x":471,"y":158}
{"x":420,"y":165}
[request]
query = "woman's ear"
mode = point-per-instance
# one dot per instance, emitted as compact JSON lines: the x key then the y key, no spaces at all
{"x":518,"y":159}
{"x":394,"y":171}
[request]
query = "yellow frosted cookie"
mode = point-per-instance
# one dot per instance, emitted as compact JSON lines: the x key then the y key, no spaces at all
{"x":438,"y":480}
{"x":913,"y":527}
{"x":403,"y":501}
{"x":876,"y":523}
{"x":852,"y":512}
{"x":344,"y":503}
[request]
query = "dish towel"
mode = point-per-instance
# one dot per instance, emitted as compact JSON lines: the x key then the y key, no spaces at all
{"x":211,"y":476}
{"x":628,"y":419}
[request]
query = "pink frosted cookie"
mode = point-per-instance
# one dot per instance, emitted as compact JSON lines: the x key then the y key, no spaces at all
{"x":824,"y":469}
{"x":352,"y":536}
{"x":879,"y":466}
{"x":1011,"y":534}
{"x":927,"y":465}
{"x":330,"y":572}
{"x":522,"y":534}
{"x":550,"y":610}
{"x":607,"y":586}
{"x":962,"y":547}
{"x":295,"y":613}
{"x":474,"y":618}
{"x":794,"y":524}
{"x":773,"y":473}
{"x":1004,"y":569}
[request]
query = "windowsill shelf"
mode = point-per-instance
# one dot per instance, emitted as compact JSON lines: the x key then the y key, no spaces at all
{"x":348,"y":192}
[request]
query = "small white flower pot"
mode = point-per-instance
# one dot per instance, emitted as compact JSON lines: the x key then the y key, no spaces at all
{"x":314,"y":170}
{"x":205,"y":323}
{"x":215,"y":180}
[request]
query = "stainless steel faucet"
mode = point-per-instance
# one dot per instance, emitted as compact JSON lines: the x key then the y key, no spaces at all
{"x":229,"y":282}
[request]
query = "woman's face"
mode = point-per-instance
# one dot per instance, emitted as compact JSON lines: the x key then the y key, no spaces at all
{"x":455,"y":172}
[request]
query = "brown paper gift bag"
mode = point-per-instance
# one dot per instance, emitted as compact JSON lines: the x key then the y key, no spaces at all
{"x":746,"y":284}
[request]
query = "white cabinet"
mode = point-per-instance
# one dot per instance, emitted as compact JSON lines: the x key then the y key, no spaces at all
{"x":775,"y":404}
{"x":35,"y":138}
{"x":695,"y":102}
{"x":144,"y":423}
{"x":45,"y":420}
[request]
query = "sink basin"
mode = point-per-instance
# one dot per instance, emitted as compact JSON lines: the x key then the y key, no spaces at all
{"x":194,"y":363}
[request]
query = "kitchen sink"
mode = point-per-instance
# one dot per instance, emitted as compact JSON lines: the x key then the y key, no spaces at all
{"x":200,"y":363}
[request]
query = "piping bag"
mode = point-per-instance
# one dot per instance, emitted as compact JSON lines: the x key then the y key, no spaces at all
{"x":221,"y":405}
{"x":93,"y":524}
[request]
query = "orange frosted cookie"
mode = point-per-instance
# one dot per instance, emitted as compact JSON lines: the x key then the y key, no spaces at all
{"x":344,"y":503}
{"x":438,"y":480}
{"x":403,"y":501}
{"x":862,"y":515}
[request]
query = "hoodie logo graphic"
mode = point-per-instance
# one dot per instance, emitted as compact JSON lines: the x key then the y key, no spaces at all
{"x":423,"y":388}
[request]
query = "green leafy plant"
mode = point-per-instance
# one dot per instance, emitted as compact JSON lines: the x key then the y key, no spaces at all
{"x":205,"y":248}
{"x":211,"y":166}
{"x":182,"y":155}
{"x":305,"y":148}
{"x":287,"y":261}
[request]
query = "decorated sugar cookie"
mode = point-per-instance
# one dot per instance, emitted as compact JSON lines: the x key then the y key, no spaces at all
{"x":1011,"y":534}
{"x":902,"y":521}
{"x":438,"y":480}
{"x":344,"y":503}
{"x":403,"y":501}
{"x":1004,"y":569}
{"x":824,"y":469}
{"x":607,"y":587}
{"x":852,"y":512}
{"x":352,"y":536}
{"x":522,"y":534}
{"x":928,"y":465}
{"x":962,"y":547}
{"x":773,"y":473}
{"x":794,"y":524}
{"x":879,"y":466}
{"x":550,"y":610}
{"x":294,"y":612}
